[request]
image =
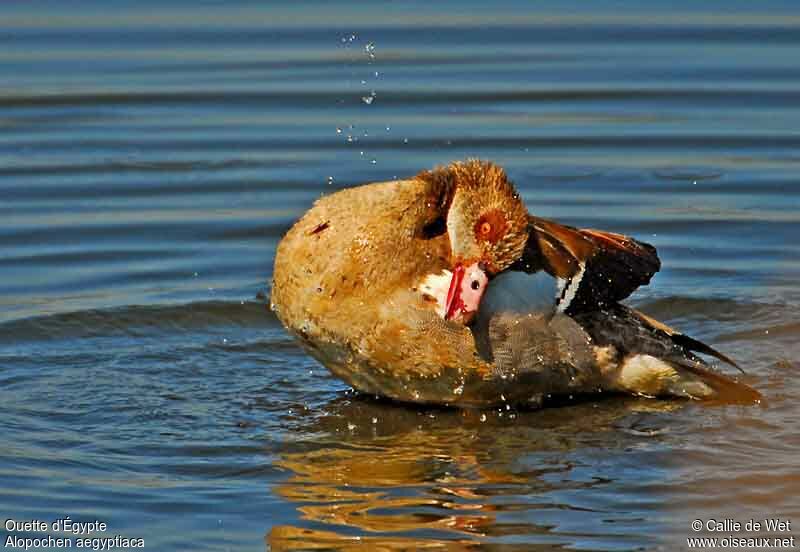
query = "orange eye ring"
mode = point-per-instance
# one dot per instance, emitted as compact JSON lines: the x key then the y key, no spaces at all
{"x":485,"y":228}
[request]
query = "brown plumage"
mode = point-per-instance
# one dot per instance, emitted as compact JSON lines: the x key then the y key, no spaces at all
{"x":348,"y":274}
{"x":491,"y":221}
{"x":381,"y":283}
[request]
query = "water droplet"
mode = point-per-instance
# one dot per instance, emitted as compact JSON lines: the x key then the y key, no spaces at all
{"x":368,"y":99}
{"x":330,"y":180}
{"x":458,"y":390}
{"x":338,"y":130}
{"x":369,"y":49}
{"x":483,"y":417}
{"x":374,"y":420}
{"x":351,"y":426}
{"x":388,"y":129}
{"x":373,"y":161}
{"x":405,"y":140}
{"x":363,"y":81}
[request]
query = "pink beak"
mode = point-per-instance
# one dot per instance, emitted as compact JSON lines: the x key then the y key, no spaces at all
{"x":466,"y":290}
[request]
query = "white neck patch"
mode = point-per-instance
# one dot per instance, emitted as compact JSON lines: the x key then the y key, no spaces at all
{"x":437,"y":286}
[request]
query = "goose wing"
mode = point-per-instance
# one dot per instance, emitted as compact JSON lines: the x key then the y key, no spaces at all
{"x":594,"y":269}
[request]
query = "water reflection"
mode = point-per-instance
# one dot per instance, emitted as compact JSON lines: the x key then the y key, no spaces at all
{"x":367,"y":471}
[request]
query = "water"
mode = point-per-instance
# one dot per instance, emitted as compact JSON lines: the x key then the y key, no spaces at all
{"x":150,"y":159}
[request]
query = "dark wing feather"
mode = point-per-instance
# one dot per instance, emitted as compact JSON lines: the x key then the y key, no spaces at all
{"x":684,"y":340}
{"x":630,"y":332}
{"x":605,"y":267}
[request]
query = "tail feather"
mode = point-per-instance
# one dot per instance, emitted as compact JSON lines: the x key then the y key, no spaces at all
{"x":726,"y":389}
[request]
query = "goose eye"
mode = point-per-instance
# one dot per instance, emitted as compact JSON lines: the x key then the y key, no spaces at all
{"x":491,"y":226}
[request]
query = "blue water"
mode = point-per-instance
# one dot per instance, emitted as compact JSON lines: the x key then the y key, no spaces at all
{"x":152,"y":157}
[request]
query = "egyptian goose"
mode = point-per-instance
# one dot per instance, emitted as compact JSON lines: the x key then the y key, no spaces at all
{"x":442,"y":289}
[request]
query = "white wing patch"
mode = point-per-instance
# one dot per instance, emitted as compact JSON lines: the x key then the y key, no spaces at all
{"x":567,"y":289}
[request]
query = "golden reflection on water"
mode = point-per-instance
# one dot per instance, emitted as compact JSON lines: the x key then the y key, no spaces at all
{"x":397,"y":478}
